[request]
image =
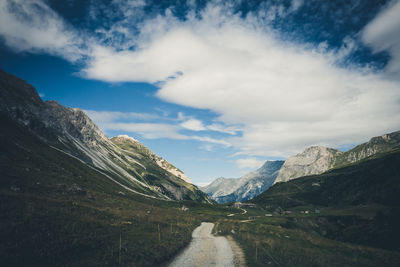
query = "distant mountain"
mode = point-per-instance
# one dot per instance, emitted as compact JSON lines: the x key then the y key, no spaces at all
{"x":318,"y":159}
{"x":225,"y":190}
{"x":123,"y":160}
{"x":313,"y":160}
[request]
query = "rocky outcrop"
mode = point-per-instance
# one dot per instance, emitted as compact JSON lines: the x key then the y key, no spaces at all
{"x":376,"y":145}
{"x":317,"y":159}
{"x":125,"y":141}
{"x":313,"y":160}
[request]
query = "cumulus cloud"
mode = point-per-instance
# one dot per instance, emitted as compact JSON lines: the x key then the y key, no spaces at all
{"x":249,"y":163}
{"x":31,"y":25}
{"x":193,"y":125}
{"x":284,"y":95}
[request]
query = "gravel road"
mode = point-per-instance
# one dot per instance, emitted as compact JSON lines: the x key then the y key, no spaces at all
{"x":205,"y":250}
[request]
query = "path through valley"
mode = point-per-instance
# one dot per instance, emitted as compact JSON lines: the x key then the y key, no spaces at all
{"x":206,"y":249}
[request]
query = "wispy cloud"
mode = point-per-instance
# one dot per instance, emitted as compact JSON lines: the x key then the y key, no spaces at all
{"x":31,"y":25}
{"x":249,"y":163}
{"x":383,"y":34}
{"x":127,"y":122}
{"x":107,"y":116}
{"x":197,"y":125}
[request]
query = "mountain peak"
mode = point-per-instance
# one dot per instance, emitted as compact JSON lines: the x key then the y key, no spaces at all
{"x":71,"y":132}
{"x":313,"y":160}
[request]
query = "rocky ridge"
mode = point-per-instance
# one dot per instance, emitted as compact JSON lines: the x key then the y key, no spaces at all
{"x":74,"y":133}
{"x":313,"y":160}
{"x":318,"y":159}
{"x":161,"y":162}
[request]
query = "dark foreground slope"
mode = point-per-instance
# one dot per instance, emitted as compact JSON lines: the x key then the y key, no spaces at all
{"x":68,"y":196}
{"x":344,"y":217}
{"x":372,"y":181}
{"x":372,"y":186}
{"x":57,"y":211}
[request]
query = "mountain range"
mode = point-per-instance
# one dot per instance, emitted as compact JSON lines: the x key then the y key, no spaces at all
{"x":318,"y":159}
{"x":122,"y":159}
{"x":225,"y":190}
{"x":71,"y":196}
{"x":313,"y":160}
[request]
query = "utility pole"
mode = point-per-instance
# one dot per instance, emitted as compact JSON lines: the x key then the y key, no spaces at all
{"x":256,"y":251}
{"x":120,"y":242}
{"x":159,"y":236}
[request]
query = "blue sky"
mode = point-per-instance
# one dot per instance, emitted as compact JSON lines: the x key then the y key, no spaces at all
{"x":215,"y":87}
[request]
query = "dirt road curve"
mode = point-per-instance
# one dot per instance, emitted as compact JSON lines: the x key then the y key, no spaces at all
{"x":206,"y":250}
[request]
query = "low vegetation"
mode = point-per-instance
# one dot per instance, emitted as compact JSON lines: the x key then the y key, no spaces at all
{"x":345,"y":217}
{"x":56,"y":211}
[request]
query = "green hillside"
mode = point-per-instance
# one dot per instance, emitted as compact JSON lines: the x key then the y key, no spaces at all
{"x":348,"y":216}
{"x":373,"y":180}
{"x":57,"y":211}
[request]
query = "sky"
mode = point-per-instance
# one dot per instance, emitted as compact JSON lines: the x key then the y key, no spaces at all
{"x":215,"y":87}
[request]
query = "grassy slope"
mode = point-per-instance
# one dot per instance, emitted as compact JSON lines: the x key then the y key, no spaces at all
{"x":56,"y":211}
{"x":373,"y":180}
{"x":377,"y":145}
{"x":153,"y":172}
{"x":353,"y":218}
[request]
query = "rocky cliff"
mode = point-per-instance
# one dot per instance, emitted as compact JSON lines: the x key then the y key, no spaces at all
{"x":313,"y":160}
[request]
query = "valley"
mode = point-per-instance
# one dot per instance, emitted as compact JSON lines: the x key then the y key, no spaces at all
{"x":70,"y":196}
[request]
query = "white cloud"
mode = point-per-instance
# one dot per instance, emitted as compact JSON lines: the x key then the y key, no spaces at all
{"x":296,"y":4}
{"x":147,"y":130}
{"x":193,"y":125}
{"x":30,"y":25}
{"x":251,"y":163}
{"x":158,"y":130}
{"x":286,"y":95}
{"x":218,"y":127}
{"x":109,"y":116}
{"x":197,"y":125}
{"x":203,"y":183}
{"x":126,"y":121}
{"x":383,"y":34}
